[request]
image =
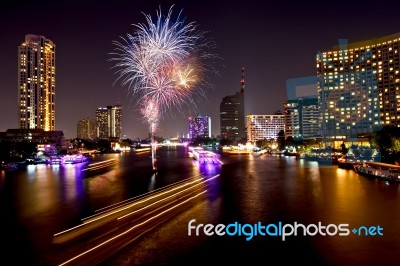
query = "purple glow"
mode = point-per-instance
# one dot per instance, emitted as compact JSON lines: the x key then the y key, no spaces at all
{"x":74,"y":158}
{"x":206,"y":157}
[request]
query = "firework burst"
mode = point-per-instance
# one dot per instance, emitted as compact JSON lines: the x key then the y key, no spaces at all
{"x":163,"y":61}
{"x":163,"y":64}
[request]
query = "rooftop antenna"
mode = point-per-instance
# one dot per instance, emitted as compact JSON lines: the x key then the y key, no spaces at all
{"x":242,"y":81}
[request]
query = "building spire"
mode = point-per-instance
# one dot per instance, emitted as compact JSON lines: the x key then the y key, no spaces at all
{"x":242,"y":81}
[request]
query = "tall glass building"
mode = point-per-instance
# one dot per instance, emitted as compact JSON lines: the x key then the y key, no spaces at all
{"x":109,"y":122}
{"x":36,"y":83}
{"x":86,"y":129}
{"x":232,"y":117}
{"x":301,"y":109}
{"x":302,"y":118}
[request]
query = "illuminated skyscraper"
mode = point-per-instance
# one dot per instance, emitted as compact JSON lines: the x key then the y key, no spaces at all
{"x":200,"y":126}
{"x":301,"y":109}
{"x":232,"y":118}
{"x":359,"y":87}
{"x":109,"y":122}
{"x":86,"y":129}
{"x":36,"y":83}
{"x":302,"y":118}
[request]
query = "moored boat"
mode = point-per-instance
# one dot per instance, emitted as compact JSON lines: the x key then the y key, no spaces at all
{"x":55,"y":159}
{"x":347,"y":162}
{"x":13,"y":165}
{"x":383,"y":171}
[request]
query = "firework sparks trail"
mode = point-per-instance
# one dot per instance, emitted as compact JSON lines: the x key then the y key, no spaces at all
{"x":150,"y":112}
{"x":162,"y":64}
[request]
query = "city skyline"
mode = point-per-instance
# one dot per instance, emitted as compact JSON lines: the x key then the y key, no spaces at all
{"x":273,"y":44}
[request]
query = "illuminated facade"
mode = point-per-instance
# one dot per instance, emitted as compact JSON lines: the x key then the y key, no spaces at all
{"x":302,"y":118}
{"x":36,"y":83}
{"x":232,"y":117}
{"x":359,"y":87}
{"x":109,"y":122}
{"x":261,"y":127}
{"x":200,"y":126}
{"x":86,"y":129}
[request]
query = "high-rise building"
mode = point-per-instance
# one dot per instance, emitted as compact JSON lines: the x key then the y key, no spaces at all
{"x":301,"y":109}
{"x":232,"y":117}
{"x":109,"y":122}
{"x":302,"y":118}
{"x":36,"y":83}
{"x":86,"y":129}
{"x":200,"y":126}
{"x":359,"y":87}
{"x":264,"y":127}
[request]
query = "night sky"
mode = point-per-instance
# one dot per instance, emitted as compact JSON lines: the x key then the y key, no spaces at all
{"x":273,"y":42}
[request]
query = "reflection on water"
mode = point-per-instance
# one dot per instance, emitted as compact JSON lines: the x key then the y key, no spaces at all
{"x":152,"y":182}
{"x":250,"y":189}
{"x":271,"y":189}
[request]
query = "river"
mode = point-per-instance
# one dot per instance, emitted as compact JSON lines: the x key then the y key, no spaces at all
{"x":264,"y":190}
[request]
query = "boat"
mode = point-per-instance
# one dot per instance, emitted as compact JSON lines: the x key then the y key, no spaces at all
{"x":237,"y":150}
{"x":308,"y":156}
{"x":203,"y":156}
{"x":73,"y":159}
{"x":383,"y":171}
{"x":347,"y":162}
{"x":41,"y":160}
{"x":13,"y":165}
{"x":291,"y":153}
{"x":55,"y":159}
{"x":99,"y":167}
{"x":261,"y":152}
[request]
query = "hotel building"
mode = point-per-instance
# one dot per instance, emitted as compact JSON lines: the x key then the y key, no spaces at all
{"x":301,"y":109}
{"x":261,"y":127}
{"x":200,"y":126}
{"x":359,"y":87}
{"x":109,"y":122}
{"x":302,"y":118}
{"x":36,"y":83}
{"x":86,"y":129}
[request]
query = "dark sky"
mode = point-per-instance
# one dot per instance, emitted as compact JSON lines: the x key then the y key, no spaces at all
{"x":273,"y":40}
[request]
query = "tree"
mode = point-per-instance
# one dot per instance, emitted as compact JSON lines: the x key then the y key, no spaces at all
{"x":104,"y":145}
{"x":387,"y":140}
{"x":262,"y":143}
{"x":227,"y":142}
{"x":281,"y":140}
{"x":344,"y":150}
